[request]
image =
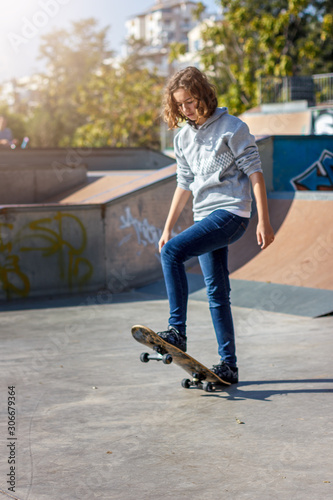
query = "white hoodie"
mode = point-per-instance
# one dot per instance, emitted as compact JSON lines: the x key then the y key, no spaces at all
{"x":214,"y":161}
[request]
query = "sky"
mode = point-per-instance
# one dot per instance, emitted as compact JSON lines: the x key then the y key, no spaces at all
{"x":23,"y":22}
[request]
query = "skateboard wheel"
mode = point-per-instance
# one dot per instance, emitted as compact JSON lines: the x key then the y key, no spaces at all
{"x":207,"y":386}
{"x":167,"y":359}
{"x":186,"y":383}
{"x":144,"y":357}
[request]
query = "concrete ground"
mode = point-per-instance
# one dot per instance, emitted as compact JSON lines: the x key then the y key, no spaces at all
{"x":93,"y":422}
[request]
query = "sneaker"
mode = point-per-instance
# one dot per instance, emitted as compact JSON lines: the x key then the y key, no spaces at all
{"x":226,"y":372}
{"x":173,"y":337}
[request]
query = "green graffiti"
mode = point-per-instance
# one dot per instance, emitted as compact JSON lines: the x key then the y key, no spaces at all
{"x":62,"y":236}
{"x":13,"y":280}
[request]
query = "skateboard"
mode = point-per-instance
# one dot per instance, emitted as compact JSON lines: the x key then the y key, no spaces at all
{"x":201,"y":376}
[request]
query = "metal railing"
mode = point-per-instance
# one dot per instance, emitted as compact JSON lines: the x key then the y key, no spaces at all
{"x":323,"y":88}
{"x":316,"y":89}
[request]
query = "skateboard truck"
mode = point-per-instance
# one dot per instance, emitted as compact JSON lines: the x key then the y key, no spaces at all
{"x":199,"y":382}
{"x":166,"y":358}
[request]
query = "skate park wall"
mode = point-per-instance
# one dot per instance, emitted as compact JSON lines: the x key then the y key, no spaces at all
{"x":93,"y":158}
{"x":303,"y":163}
{"x":297,"y":163}
{"x":36,"y":175}
{"x":49,"y":249}
{"x":290,"y":118}
{"x":26,"y":184}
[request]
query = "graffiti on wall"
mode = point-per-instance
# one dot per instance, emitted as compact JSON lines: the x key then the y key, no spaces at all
{"x":322,"y":122}
{"x":61,"y":237}
{"x":146,"y":233}
{"x":317,"y":177}
{"x":13,"y":280}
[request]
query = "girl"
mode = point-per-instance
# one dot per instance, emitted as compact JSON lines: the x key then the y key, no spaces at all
{"x":217,"y":158}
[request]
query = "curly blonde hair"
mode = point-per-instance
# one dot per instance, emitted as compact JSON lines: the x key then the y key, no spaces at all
{"x":197,"y":85}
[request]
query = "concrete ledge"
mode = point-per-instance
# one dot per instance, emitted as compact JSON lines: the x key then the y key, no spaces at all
{"x":21,"y":184}
{"x":301,"y":195}
{"x":296,"y":300}
{"x":94,"y":158}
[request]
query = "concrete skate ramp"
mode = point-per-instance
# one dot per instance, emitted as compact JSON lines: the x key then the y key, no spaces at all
{"x":295,"y":274}
{"x":302,"y":251}
{"x":104,"y":188}
{"x":99,"y":185}
{"x":262,"y":124}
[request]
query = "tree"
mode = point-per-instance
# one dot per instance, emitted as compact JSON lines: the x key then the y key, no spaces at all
{"x":266,"y":38}
{"x":198,"y":11}
{"x":71,"y":57}
{"x":176,"y":49}
{"x":121,"y":107}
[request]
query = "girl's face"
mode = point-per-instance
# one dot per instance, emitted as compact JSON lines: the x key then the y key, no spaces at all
{"x":188,"y":105}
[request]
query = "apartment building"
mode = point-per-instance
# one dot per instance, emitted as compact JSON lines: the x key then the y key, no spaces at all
{"x":165,"y":22}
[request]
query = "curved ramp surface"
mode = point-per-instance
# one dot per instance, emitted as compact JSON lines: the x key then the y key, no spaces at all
{"x":295,"y":274}
{"x":301,"y":254}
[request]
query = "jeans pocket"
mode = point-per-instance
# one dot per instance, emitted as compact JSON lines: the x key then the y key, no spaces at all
{"x":242,"y":226}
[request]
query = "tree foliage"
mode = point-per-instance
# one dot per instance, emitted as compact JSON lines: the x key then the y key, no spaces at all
{"x":176,"y":49}
{"x":71,"y":57}
{"x":88,"y":100}
{"x":198,"y":11}
{"x":266,"y":38}
{"x":121,"y":107}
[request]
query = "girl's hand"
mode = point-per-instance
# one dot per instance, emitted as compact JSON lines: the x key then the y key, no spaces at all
{"x":179,"y":201}
{"x":166,"y":236}
{"x":265,"y":234}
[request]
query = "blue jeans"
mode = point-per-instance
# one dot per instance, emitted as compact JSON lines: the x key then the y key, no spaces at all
{"x":208,"y":240}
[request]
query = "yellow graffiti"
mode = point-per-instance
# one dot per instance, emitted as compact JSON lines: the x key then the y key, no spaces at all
{"x":63,"y":236}
{"x":13,"y":280}
{"x":53,"y":242}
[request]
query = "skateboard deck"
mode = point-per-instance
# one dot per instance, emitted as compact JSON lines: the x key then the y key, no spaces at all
{"x":201,"y":376}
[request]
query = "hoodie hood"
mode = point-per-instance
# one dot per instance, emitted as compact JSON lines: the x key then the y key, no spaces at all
{"x":215,"y":116}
